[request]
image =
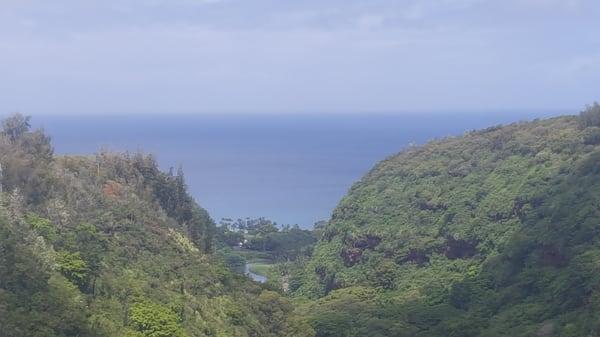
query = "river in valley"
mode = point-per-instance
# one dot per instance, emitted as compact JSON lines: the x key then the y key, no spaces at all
{"x":254,"y":276}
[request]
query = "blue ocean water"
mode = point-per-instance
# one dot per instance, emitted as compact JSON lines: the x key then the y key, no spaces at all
{"x":293,"y":169}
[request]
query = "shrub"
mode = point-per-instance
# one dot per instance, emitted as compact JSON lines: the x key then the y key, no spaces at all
{"x":590,"y":116}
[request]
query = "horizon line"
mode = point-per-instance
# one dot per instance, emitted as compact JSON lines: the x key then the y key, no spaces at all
{"x":312,"y":113}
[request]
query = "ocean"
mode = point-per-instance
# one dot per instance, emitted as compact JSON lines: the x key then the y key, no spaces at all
{"x":292,"y":169}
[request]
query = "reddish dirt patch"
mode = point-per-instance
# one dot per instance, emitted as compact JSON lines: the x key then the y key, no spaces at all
{"x":112,"y":189}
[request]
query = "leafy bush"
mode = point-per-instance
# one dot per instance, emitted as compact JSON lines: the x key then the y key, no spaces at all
{"x":590,"y":116}
{"x":72,"y":266}
{"x":154,"y":320}
{"x":591,"y":135}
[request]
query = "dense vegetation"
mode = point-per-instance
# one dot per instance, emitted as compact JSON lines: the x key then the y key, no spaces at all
{"x":283,"y":243}
{"x":495,"y":233}
{"x":263,"y":247}
{"x":108,"y":245}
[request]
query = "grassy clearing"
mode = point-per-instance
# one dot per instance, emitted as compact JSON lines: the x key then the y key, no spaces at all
{"x":260,"y":268}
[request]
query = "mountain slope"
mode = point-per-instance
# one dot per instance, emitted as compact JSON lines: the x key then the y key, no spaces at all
{"x":489,"y":234}
{"x":108,"y":245}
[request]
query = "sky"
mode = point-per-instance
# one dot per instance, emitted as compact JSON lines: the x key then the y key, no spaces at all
{"x":290,"y":56}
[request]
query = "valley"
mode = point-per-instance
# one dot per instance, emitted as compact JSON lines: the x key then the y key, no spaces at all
{"x":492,"y":233}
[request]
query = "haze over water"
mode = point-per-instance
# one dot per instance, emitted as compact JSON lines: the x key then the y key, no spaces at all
{"x":291,"y":169}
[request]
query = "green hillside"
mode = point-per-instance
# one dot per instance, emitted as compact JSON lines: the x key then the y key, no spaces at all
{"x":494,"y":233}
{"x":108,"y":245}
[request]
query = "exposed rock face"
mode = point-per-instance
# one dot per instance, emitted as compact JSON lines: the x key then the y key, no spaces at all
{"x":357,"y":246}
{"x":459,"y":249}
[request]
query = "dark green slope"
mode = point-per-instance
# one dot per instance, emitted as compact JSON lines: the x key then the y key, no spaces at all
{"x":108,"y":245}
{"x":494,"y":233}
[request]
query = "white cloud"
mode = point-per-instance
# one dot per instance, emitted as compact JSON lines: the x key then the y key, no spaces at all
{"x":562,"y":4}
{"x":370,"y":21}
{"x":277,"y":55}
{"x":573,"y":68}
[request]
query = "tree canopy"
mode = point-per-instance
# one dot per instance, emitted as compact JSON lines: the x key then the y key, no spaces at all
{"x":494,"y":233}
{"x":108,"y":245}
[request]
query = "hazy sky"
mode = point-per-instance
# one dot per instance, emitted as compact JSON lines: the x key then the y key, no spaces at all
{"x":135,"y":56}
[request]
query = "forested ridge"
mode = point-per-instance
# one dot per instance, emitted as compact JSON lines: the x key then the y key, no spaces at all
{"x":108,"y":245}
{"x":494,"y":233}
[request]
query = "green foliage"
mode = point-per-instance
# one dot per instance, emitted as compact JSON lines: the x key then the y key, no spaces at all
{"x":34,"y":300}
{"x":110,"y":246}
{"x":15,"y":126}
{"x":42,"y":226}
{"x":263,"y":235}
{"x":132,"y":333}
{"x":491,"y":234}
{"x":275,"y":310}
{"x":290,"y":243}
{"x":154,"y":320}
{"x":72,"y":266}
{"x":590,"y":116}
{"x":260,"y":268}
{"x":26,"y":159}
{"x":233,"y":259}
{"x":229,"y":237}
